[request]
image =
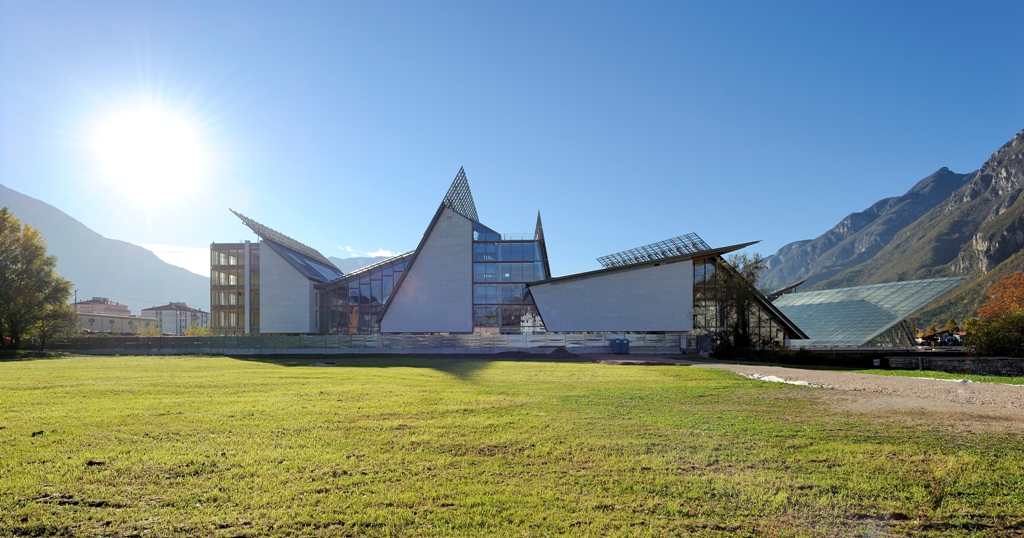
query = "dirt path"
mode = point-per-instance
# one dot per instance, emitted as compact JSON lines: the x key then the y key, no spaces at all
{"x":986,"y":394}
{"x":962,"y":405}
{"x":930,"y":402}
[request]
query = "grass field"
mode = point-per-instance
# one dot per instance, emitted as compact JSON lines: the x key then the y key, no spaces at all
{"x":943,"y":375}
{"x":431,"y":447}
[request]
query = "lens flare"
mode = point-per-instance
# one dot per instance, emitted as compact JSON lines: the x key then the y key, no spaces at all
{"x":150,"y":154}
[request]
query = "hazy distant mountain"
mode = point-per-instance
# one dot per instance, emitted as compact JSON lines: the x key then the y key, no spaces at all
{"x":347,"y":265}
{"x":977,"y":230}
{"x":120,"y":271}
{"x":859,"y":236}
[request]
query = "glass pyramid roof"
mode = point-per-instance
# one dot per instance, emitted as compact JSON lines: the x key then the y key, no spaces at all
{"x":853,"y":316}
{"x":460,"y":199}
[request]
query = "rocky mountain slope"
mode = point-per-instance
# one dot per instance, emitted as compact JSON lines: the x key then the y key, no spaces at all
{"x":859,"y":236}
{"x":976,"y":230}
{"x":123,"y":272}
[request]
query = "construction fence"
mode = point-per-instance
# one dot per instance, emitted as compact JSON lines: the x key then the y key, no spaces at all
{"x":421,"y":344}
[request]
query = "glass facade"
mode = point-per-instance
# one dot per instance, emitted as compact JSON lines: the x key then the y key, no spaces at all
{"x":229,"y":273}
{"x":501,"y":268}
{"x":731,"y":312}
{"x":862,"y":315}
{"x":353,"y":302}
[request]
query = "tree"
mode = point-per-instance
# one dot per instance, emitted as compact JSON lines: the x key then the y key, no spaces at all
{"x":29,"y":283}
{"x":196,"y":330}
{"x":932,"y":329}
{"x":151,"y":330}
{"x":951,"y":326}
{"x":1001,"y":336}
{"x":1004,"y":296}
{"x":750,"y":266}
{"x":999,"y":331}
{"x":57,"y":321}
{"x":737,"y":308}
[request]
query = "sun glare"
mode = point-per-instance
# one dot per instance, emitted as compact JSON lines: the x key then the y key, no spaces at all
{"x":150,"y":155}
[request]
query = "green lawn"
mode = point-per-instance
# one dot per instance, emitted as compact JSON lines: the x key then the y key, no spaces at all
{"x":216,"y":446}
{"x":943,"y":375}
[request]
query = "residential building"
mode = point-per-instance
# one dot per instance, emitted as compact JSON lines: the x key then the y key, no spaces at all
{"x":176,"y":318}
{"x":113,"y":324}
{"x":102,"y":305}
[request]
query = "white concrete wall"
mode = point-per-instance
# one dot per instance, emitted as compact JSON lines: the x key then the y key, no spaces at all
{"x":642,"y":299}
{"x":169,"y":322}
{"x":165,"y":320}
{"x":437,"y":292}
{"x":287,"y":297}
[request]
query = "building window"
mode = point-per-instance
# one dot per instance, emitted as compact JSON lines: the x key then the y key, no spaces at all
{"x":501,"y":270}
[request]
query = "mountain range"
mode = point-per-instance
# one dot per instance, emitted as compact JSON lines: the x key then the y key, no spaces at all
{"x":98,"y":266}
{"x":947,"y":224}
{"x":122,"y":272}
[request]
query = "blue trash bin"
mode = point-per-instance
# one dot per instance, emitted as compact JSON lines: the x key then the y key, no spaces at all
{"x":624,"y":347}
{"x":616,"y":346}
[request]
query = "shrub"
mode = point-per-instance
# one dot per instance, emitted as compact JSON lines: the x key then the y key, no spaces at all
{"x":1001,"y":335}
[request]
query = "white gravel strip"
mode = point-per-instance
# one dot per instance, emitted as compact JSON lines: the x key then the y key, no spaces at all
{"x":777,"y":379}
{"x":986,"y":394}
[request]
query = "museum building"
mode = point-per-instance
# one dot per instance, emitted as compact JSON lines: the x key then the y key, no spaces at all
{"x":466,"y":278}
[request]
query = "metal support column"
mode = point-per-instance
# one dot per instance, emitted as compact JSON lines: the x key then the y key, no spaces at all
{"x":248,"y":291}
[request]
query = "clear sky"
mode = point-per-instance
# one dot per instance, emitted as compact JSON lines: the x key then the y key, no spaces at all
{"x":342,"y":124}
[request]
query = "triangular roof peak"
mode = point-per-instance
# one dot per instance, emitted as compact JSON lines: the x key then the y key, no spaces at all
{"x":538,"y":235}
{"x":459,"y":198}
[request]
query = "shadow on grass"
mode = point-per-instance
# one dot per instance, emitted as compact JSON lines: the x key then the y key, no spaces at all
{"x":10,"y":355}
{"x":462,"y":367}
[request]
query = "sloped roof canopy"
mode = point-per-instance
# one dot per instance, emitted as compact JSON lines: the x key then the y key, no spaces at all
{"x":309,"y":267}
{"x":683,"y":245}
{"x":269,"y":234}
{"x":363,"y":271}
{"x":303,"y":258}
{"x":709,"y":253}
{"x":855,"y":316}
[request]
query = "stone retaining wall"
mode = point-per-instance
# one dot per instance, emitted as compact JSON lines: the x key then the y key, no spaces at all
{"x":1000,"y":366}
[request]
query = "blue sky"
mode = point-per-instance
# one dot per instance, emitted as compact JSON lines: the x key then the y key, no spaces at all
{"x":342,"y":124}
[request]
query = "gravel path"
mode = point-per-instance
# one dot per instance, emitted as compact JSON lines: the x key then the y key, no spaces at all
{"x":993,"y":395}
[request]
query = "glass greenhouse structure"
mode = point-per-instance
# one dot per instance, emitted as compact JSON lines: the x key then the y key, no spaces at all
{"x":873,"y":315}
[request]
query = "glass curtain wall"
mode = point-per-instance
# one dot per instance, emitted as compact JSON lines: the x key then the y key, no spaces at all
{"x":500,"y":270}
{"x":352,"y":303}
{"x":725,"y":309}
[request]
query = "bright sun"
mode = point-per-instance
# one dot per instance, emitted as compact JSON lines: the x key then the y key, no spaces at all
{"x":150,"y":155}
